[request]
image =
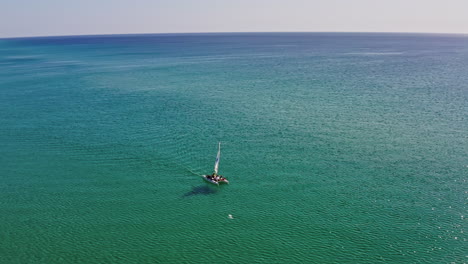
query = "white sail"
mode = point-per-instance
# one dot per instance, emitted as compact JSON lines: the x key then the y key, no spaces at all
{"x":217,"y":158}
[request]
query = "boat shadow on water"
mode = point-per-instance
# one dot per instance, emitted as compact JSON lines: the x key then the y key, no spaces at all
{"x":201,"y":190}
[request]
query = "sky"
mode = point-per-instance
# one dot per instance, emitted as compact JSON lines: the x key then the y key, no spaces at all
{"x":19,"y":18}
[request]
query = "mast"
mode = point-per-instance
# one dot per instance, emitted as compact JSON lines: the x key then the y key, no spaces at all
{"x":217,"y":159}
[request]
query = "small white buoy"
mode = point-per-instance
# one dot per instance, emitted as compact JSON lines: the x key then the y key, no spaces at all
{"x":230,"y":216}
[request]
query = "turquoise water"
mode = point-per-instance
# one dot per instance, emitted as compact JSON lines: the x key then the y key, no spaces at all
{"x":340,"y":148}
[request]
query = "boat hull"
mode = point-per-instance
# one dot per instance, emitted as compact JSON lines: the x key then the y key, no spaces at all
{"x":213,"y":181}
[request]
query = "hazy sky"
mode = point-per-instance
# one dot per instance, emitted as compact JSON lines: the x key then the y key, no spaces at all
{"x":77,"y":17}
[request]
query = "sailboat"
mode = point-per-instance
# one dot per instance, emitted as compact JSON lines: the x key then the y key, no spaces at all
{"x":215,"y":178}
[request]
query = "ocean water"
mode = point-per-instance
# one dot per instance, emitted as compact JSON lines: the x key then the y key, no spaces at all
{"x":340,"y":148}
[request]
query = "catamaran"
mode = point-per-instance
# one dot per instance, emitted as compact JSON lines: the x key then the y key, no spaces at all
{"x":215,"y":178}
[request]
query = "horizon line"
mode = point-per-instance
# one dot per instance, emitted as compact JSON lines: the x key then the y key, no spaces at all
{"x":236,"y":32}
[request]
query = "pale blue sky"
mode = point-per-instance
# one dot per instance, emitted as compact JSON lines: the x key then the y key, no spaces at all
{"x":78,"y":17}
